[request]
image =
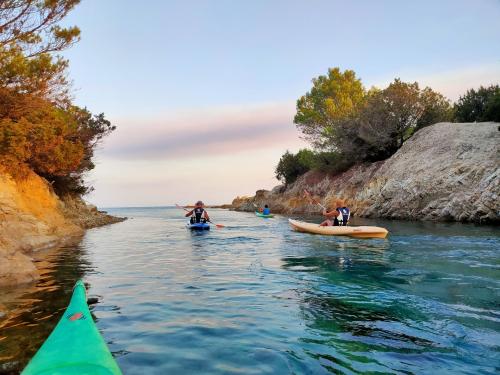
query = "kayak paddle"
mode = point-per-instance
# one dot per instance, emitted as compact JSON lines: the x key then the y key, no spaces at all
{"x":308,"y":195}
{"x":217,"y":225}
{"x":182,"y":208}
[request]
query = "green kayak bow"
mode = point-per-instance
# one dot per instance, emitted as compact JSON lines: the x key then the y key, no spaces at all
{"x":75,"y":346}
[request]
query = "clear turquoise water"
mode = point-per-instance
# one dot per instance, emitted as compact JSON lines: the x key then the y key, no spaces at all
{"x":257,"y":298}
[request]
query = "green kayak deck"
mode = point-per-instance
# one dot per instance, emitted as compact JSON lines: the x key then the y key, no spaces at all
{"x":260,"y":214}
{"x":75,"y":346}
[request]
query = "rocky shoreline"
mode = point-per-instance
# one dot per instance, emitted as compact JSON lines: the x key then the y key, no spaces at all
{"x":32,"y":218}
{"x":445,"y":172}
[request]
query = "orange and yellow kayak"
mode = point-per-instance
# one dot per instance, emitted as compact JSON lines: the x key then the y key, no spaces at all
{"x":357,"y":232}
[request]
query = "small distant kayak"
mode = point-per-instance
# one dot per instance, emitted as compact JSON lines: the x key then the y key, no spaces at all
{"x":75,"y":346}
{"x":260,"y":214}
{"x":198,"y":226}
{"x":358,"y":232}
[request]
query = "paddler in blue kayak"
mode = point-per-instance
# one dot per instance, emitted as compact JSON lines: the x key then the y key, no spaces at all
{"x":338,"y":216}
{"x":198,"y":214}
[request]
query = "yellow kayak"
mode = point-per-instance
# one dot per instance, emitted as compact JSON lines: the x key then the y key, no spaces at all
{"x":358,"y":232}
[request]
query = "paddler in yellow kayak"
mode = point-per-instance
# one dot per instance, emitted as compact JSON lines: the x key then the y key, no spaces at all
{"x":338,"y":216}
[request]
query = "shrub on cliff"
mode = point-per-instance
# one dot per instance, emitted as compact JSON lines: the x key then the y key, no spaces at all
{"x":291,"y":166}
{"x":55,"y":143}
{"x":479,"y":105}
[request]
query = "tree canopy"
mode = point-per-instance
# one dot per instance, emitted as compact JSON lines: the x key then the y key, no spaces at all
{"x":40,"y":128}
{"x":32,"y":26}
{"x":347,"y":124}
{"x":29,"y":37}
{"x":332,"y":99}
{"x":479,"y":105}
{"x":388,"y":118}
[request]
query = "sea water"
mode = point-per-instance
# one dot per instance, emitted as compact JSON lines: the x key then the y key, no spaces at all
{"x":257,"y":298}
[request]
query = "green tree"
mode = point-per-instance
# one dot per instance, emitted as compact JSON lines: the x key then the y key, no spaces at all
{"x":29,"y":35}
{"x":40,"y":128}
{"x":306,"y":158}
{"x":479,"y":105}
{"x":492,"y":110}
{"x":331,"y":162}
{"x":332,"y":99}
{"x":32,"y":26}
{"x":437,"y":108}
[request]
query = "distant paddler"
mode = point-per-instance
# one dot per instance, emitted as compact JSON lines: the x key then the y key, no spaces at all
{"x":265,"y":211}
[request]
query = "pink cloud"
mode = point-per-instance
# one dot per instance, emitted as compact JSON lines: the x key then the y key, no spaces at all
{"x":198,"y":132}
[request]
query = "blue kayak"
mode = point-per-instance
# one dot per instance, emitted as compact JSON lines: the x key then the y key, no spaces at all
{"x":198,"y":226}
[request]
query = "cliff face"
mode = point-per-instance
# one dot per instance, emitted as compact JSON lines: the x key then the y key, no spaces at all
{"x":32,"y":217}
{"x":446,"y":172}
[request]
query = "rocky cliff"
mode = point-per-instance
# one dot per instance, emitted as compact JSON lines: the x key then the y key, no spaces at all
{"x":32,"y":217}
{"x":445,"y":172}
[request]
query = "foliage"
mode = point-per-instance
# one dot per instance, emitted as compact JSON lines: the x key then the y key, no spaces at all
{"x":380,"y":122}
{"x":480,"y":105}
{"x":436,"y":108}
{"x":492,"y":110}
{"x":290,"y":167}
{"x":330,"y":162}
{"x":56,"y":143}
{"x":35,"y":133}
{"x":42,"y":75}
{"x":40,"y":128}
{"x":331,"y":100}
{"x":388,"y":118}
{"x":29,"y":34}
{"x":347,"y":124}
{"x":32,"y":26}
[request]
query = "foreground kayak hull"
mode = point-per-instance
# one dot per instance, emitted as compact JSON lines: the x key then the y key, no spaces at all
{"x":260,"y":214}
{"x":357,"y":232}
{"x":198,"y":226}
{"x":75,"y":346}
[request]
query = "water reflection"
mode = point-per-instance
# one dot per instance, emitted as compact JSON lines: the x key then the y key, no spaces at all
{"x":36,"y":307}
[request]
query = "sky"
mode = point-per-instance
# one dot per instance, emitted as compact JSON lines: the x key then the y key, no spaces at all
{"x":203,"y":92}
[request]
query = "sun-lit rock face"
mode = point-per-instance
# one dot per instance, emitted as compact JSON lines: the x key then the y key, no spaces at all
{"x":446,"y":172}
{"x":32,"y":217}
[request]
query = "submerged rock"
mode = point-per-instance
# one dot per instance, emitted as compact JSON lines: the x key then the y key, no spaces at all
{"x":445,"y":172}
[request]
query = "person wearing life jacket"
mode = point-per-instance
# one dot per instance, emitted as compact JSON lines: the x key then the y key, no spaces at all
{"x":266,"y":210}
{"x":337,"y":217}
{"x":198,"y":214}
